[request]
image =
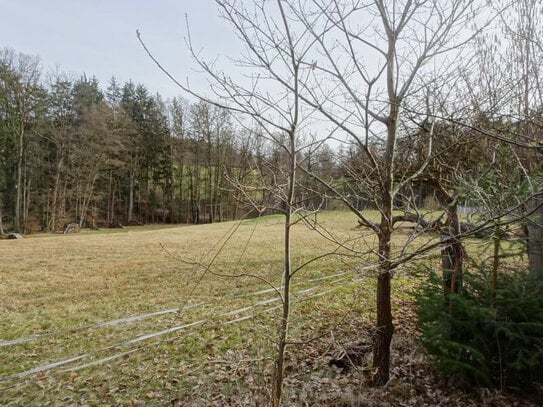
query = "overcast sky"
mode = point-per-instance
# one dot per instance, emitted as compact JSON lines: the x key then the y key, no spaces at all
{"x":98,"y":36}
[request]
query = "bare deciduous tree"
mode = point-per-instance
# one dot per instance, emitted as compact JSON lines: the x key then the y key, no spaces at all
{"x":20,"y":76}
{"x":358,"y":65}
{"x":271,"y":100}
{"x":374,"y":57}
{"x":508,"y":90}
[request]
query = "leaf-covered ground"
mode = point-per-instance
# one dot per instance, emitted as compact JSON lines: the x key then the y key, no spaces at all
{"x":187,"y":316}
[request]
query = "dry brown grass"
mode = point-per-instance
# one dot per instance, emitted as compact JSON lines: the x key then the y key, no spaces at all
{"x":57,"y":285}
{"x":64,"y":287}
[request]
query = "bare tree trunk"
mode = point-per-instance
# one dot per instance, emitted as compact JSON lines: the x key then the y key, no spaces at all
{"x":209,"y":191}
{"x":130,"y":197}
{"x":54,"y":199}
{"x":535,"y":238}
{"x":182,"y":198}
{"x":110,"y":198}
{"x":277,"y":395}
{"x":62,"y":200}
{"x":112,"y":216}
{"x":26,"y":201}
{"x":165,"y":200}
{"x":384,"y":325}
{"x":87,"y":197}
{"x":283,"y":329}
{"x":385,"y":330}
{"x":1,"y":223}
{"x":19,"y":185}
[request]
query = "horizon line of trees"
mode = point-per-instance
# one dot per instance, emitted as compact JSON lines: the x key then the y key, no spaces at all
{"x":72,"y":152}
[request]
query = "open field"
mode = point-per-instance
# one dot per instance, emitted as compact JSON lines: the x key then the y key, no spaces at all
{"x":128,"y":315}
{"x":158,"y":316}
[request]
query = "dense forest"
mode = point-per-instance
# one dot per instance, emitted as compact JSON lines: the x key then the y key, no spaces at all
{"x":74,"y":152}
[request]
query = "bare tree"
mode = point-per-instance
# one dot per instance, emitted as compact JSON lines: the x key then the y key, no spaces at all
{"x":179,"y":127}
{"x":59,"y":133}
{"x":20,"y":76}
{"x":359,"y":65}
{"x":271,"y":101}
{"x":374,"y":57}
{"x":508,"y":90}
{"x":92,"y":157}
{"x":525,"y":51}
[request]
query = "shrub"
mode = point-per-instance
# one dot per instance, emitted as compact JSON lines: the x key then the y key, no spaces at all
{"x":476,"y":340}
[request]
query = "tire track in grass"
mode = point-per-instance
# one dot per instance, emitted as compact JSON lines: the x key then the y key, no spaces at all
{"x":145,"y":337}
{"x":139,"y":317}
{"x":40,"y":369}
{"x":236,"y":320}
{"x":112,"y":322}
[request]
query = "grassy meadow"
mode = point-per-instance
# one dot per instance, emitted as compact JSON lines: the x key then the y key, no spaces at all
{"x":184,"y":315}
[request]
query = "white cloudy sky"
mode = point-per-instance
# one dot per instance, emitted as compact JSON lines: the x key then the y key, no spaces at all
{"x":98,"y":36}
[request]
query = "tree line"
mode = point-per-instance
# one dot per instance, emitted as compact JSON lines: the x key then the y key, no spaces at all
{"x":74,"y":152}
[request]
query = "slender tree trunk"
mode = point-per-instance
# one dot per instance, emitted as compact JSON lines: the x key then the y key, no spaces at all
{"x":77,"y":207}
{"x":164,"y":201}
{"x":182,"y":198}
{"x":283,"y":330}
{"x":217,"y":178}
{"x":112,"y":216}
{"x":110,"y":198}
{"x":384,"y":325}
{"x":535,"y":238}
{"x":194,"y":198}
{"x":54,"y":199}
{"x":82,"y":211}
{"x":19,"y":184}
{"x":130,"y":197}
{"x":62,"y":200}
{"x":209,"y":194}
{"x":385,"y":330}
{"x":277,"y":394}
{"x":1,"y":222}
{"x":26,"y":201}
{"x":87,"y":196}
